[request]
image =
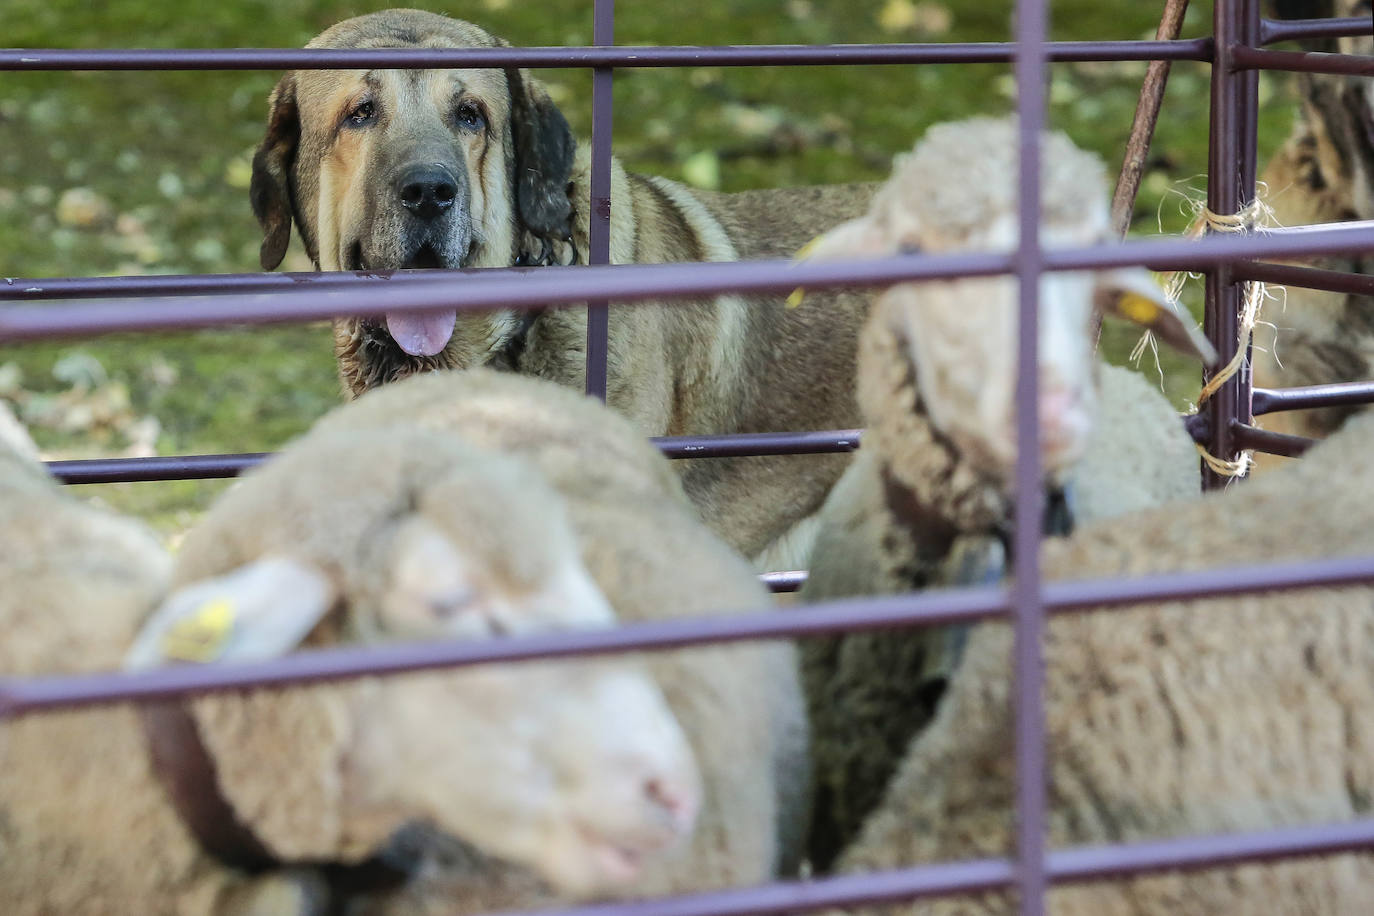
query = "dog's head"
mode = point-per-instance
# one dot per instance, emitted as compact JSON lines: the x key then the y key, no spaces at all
{"x":387,"y":169}
{"x":1335,"y":132}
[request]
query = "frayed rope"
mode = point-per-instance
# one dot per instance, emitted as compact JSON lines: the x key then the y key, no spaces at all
{"x":1256,"y":215}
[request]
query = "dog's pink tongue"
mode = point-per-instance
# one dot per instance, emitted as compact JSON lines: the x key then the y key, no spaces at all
{"x":421,"y":335}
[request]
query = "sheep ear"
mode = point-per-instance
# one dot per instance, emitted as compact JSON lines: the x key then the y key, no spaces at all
{"x":855,"y":239}
{"x":258,"y":611}
{"x":1132,"y":294}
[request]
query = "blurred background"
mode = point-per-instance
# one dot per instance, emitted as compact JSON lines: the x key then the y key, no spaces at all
{"x":140,"y":173}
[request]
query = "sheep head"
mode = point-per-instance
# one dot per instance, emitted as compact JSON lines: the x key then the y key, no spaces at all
{"x":576,"y":770}
{"x":956,"y":192}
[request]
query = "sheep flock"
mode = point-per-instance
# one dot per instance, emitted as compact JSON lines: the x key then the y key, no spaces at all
{"x":483,"y":505}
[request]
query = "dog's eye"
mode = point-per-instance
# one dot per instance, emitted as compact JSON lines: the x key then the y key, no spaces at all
{"x":361,"y":116}
{"x":469,"y":116}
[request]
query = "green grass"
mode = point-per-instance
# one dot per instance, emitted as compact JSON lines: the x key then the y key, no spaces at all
{"x":170,"y":152}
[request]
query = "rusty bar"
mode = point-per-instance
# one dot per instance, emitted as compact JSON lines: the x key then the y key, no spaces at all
{"x":1263,"y":440}
{"x":1302,"y":61}
{"x":203,"y":467}
{"x":1340,"y":394}
{"x":504,"y":287}
{"x":1334,"y":281}
{"x":599,"y":241}
{"x":20,"y":696}
{"x":1226,"y":193}
{"x":28,"y":59}
{"x":1032,"y":802}
{"x":1276,"y":30}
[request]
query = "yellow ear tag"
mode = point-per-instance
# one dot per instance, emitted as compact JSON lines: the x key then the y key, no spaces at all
{"x":1138,"y":308}
{"x":795,"y":298}
{"x":201,"y":636}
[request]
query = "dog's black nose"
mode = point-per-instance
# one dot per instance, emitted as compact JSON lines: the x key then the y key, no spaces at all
{"x":427,"y":190}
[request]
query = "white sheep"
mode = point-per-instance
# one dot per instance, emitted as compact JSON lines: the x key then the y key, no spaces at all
{"x":14,"y":436}
{"x":1170,"y":719}
{"x":936,"y":383}
{"x":1324,"y":173}
{"x":739,"y":705}
{"x":576,"y":771}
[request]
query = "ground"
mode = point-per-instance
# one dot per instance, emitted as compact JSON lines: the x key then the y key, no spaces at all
{"x":124,"y":173}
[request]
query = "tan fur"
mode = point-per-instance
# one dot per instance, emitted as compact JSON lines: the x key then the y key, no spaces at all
{"x":1323,"y":174}
{"x":85,"y":828}
{"x":728,"y":364}
{"x":1173,"y":719}
{"x":653,"y":560}
{"x":739,"y":705}
{"x":928,"y":482}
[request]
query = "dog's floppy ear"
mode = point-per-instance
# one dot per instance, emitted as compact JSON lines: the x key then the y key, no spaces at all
{"x":270,"y":190}
{"x":544,"y":148}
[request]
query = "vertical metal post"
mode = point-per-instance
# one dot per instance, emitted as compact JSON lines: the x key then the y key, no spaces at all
{"x":1230,"y":186}
{"x":1031,"y":787}
{"x":599,"y":240}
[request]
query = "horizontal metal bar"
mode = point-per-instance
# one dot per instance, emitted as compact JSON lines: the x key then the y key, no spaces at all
{"x":22,"y":696}
{"x":206,"y":467}
{"x":745,"y":445}
{"x":1194,"y":853}
{"x":1341,"y":394}
{"x":1244,"y":58}
{"x":1062,"y":866}
{"x":171,"y":467}
{"x":1275,"y":30}
{"x":35,"y":289}
{"x":783,"y":897}
{"x":1199,"y":49}
{"x":1334,"y":281}
{"x":1207,"y":583}
{"x":486,"y":289}
{"x":790,"y":580}
{"x":1264,"y":440}
{"x":20,"y":289}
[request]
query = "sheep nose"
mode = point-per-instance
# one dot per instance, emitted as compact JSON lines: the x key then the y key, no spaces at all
{"x":679,"y":801}
{"x":1063,"y":421}
{"x":427,"y":190}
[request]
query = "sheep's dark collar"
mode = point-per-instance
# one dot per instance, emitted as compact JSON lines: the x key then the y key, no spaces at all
{"x":932,"y":533}
{"x":181,"y":762}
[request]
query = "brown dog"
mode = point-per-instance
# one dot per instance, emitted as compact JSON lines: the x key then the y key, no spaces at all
{"x":1323,"y":174}
{"x":389,"y":169}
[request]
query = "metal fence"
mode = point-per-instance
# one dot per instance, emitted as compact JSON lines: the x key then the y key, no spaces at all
{"x":1235,"y":51}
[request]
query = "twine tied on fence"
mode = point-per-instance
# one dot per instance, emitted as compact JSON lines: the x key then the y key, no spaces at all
{"x":1255,"y":215}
